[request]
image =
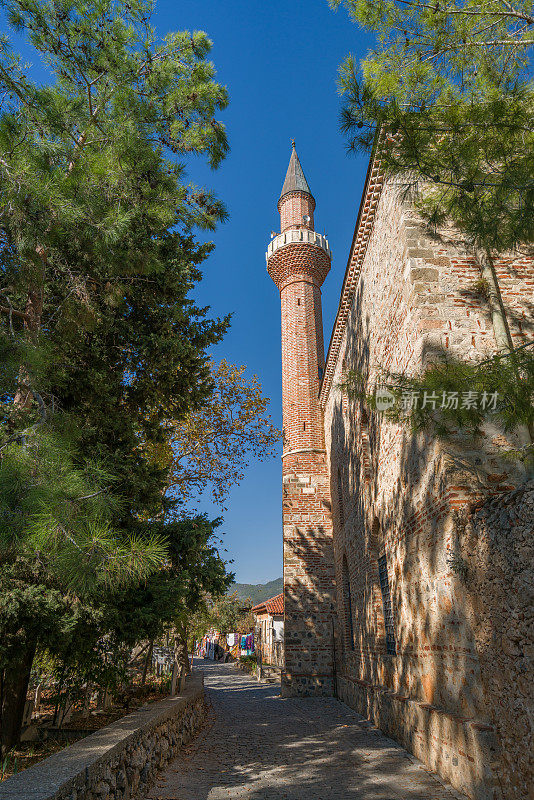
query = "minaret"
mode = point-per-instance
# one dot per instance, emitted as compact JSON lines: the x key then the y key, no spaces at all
{"x":298,"y":261}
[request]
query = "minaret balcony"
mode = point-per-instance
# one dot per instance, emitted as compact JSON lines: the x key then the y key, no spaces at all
{"x":303,"y":235}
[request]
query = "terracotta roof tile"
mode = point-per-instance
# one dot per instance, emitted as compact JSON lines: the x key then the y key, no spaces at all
{"x":274,"y":605}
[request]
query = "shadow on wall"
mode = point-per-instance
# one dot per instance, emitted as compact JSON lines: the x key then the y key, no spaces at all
{"x":308,"y":599}
{"x":495,"y":548}
{"x":394,"y":505}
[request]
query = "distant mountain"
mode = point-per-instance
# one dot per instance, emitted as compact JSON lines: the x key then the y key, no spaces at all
{"x":258,"y":592}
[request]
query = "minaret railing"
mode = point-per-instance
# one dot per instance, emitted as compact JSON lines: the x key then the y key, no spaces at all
{"x":296,"y":236}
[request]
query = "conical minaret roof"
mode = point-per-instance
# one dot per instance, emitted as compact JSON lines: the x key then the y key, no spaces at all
{"x":295,"y":180}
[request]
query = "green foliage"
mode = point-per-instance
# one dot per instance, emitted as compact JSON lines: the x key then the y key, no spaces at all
{"x":54,"y":511}
{"x":448,"y":83}
{"x":176,"y":591}
{"x":213,"y":445}
{"x":454,"y":396}
{"x":99,"y":254}
{"x":253,"y":593}
{"x":249,"y":662}
{"x":223,"y":613}
{"x":97,"y":261}
{"x":228,"y":614}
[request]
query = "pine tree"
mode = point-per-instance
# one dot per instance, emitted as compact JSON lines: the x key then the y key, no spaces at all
{"x":449,"y":84}
{"x":447,"y":96}
{"x":98,"y":256}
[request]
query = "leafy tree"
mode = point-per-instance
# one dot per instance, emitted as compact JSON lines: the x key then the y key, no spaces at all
{"x":448,"y":87}
{"x":98,"y":224}
{"x":98,"y":257}
{"x":454,"y":396}
{"x":53,"y":513}
{"x":172,"y":596}
{"x":449,"y":83}
{"x":229,"y":614}
{"x":226,"y":614}
{"x":213,"y":444}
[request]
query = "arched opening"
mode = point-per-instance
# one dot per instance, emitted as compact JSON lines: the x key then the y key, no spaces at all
{"x":347,"y":606}
{"x":365,"y":444}
{"x":340,"y":509}
{"x":383,"y":579}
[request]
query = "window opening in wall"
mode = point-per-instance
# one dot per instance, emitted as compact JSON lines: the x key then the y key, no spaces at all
{"x":386,"y":603}
{"x":303,"y":426}
{"x":347,"y":601}
{"x":366,"y":444}
{"x":341,"y":510}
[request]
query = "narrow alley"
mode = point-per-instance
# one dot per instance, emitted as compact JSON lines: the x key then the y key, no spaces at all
{"x":262,"y":747}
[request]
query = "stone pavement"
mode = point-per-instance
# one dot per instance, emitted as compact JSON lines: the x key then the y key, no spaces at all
{"x":259,"y":746}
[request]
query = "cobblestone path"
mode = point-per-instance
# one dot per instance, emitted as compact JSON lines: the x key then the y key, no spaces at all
{"x":259,"y":746}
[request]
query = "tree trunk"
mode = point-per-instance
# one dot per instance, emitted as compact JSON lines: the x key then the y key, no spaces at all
{"x":148,"y":659}
{"x":15,"y":689}
{"x":180,"y":650}
{"x":501,"y":328}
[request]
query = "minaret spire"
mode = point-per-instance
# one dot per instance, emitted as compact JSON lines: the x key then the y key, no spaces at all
{"x":295,"y":180}
{"x":298,"y":261}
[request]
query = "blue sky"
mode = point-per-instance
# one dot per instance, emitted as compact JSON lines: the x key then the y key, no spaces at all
{"x":279,"y":61}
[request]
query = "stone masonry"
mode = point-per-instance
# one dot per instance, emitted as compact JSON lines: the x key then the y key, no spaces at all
{"x":408,"y":656}
{"x":495,"y":562}
{"x":120,"y":761}
{"x":371,"y":509}
{"x":260,"y":746}
{"x":298,"y":261}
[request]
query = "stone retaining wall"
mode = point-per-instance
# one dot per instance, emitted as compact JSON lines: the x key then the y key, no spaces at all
{"x":460,"y":750}
{"x":119,"y":762}
{"x":496,"y":549}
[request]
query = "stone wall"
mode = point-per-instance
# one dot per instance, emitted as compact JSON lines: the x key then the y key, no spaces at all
{"x":415,"y":672}
{"x":496,"y":563}
{"x":119,"y":762}
{"x":308,"y":576}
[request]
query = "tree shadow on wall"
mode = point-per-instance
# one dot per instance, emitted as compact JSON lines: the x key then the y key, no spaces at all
{"x":309,"y":600}
{"x":409,"y":519}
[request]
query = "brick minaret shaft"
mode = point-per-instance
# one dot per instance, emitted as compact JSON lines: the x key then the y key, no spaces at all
{"x":298,"y":261}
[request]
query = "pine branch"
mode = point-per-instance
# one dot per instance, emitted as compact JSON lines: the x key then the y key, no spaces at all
{"x":13,"y":312}
{"x":469,"y":12}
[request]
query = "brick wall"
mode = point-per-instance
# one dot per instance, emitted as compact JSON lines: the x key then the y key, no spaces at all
{"x":495,"y":550}
{"x":293,"y":207}
{"x":308,"y":575}
{"x":298,"y":270}
{"x":394,"y":494}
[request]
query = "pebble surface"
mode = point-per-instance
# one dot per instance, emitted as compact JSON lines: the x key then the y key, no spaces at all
{"x":259,"y":746}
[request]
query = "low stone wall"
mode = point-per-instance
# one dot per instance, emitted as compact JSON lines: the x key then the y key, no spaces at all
{"x":119,"y":762}
{"x":460,"y":750}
